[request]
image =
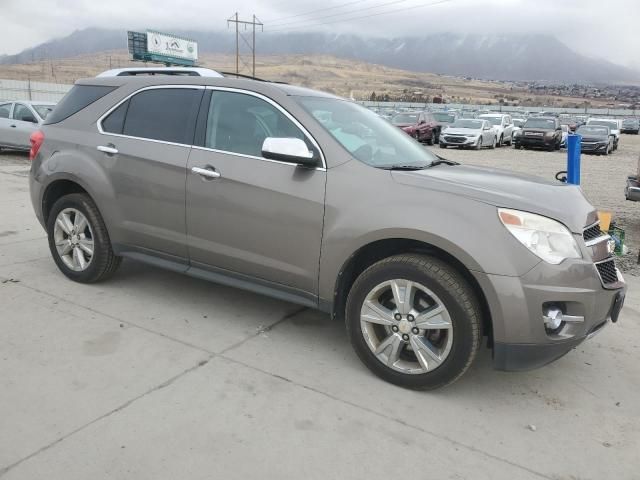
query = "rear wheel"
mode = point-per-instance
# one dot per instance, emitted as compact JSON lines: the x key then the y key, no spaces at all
{"x":414,"y":321}
{"x":79,"y":241}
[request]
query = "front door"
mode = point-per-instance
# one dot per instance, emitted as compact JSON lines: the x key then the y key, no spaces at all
{"x":259,"y":218}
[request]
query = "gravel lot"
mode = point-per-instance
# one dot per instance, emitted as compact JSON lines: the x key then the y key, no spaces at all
{"x":603,"y":180}
{"x":153,"y":375}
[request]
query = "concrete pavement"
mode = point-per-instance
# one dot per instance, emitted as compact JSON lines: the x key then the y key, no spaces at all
{"x":155,"y":375}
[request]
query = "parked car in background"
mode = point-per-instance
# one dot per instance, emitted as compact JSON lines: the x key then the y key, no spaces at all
{"x":444,"y":119}
{"x":596,"y":139}
{"x":632,"y":189}
{"x":630,"y":125}
{"x":18,"y":120}
{"x":612,"y":123}
{"x":420,"y":125}
{"x":353,"y":217}
{"x":502,"y":125}
{"x":565,"y":134}
{"x":517,"y":128}
{"x":469,"y":133}
{"x":540,"y":132}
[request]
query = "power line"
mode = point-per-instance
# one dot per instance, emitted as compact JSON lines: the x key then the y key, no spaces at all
{"x":433,"y":4}
{"x":278,"y":20}
{"x":357,"y":10}
{"x":255,"y":22}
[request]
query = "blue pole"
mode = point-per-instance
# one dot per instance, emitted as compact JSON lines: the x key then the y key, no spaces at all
{"x":573,"y":159}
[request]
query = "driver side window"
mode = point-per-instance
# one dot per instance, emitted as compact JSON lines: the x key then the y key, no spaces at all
{"x":239,"y":123}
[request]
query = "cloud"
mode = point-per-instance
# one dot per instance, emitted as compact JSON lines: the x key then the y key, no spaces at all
{"x":597,"y":28}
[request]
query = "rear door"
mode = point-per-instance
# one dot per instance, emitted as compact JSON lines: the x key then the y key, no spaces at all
{"x":260,"y":218}
{"x":5,"y":122}
{"x":145,"y":146}
{"x":25,"y":122}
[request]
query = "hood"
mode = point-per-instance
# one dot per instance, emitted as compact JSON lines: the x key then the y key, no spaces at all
{"x":461,"y":131}
{"x":560,"y":201}
{"x":593,"y":138}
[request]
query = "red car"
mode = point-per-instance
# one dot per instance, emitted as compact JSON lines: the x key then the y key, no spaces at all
{"x":420,"y":125}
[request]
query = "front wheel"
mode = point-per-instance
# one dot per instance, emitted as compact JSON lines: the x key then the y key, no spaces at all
{"x":479,"y":144}
{"x":493,"y":143}
{"x":414,"y":321}
{"x":500,"y":142}
{"x":432,"y":138}
{"x":79,"y":241}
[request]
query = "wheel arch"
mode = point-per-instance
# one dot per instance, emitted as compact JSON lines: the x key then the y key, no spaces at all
{"x":377,"y":250}
{"x":56,"y":189}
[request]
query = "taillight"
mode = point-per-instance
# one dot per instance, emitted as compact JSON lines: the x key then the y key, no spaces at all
{"x":36,"y":139}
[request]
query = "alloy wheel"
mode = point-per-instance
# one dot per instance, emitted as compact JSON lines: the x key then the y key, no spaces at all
{"x":406,"y":326}
{"x":73,"y":239}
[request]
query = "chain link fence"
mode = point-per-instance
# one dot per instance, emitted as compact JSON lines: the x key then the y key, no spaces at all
{"x":28,"y":90}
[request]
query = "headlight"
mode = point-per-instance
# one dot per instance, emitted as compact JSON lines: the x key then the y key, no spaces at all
{"x":546,"y":238}
{"x":549,"y":134}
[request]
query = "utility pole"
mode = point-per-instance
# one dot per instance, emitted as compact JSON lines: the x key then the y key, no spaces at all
{"x":239,"y":36}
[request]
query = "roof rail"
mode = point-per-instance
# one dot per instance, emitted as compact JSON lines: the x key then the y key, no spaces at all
{"x":184,"y":71}
{"x":250,"y":77}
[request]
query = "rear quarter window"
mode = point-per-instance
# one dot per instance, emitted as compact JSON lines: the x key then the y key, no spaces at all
{"x":78,"y":98}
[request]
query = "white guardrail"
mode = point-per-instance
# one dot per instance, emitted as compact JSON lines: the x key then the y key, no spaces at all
{"x":28,"y":90}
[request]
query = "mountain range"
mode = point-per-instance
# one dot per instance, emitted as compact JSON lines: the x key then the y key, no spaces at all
{"x":498,"y":57}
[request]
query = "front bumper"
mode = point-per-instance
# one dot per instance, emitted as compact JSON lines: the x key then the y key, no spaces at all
{"x":517,"y":306}
{"x":593,"y":147}
{"x":527,"y":141}
{"x":458,"y":141}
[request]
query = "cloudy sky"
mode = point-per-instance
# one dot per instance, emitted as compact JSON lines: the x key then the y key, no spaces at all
{"x":598,"y":28}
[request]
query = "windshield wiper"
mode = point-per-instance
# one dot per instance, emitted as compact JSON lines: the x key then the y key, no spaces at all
{"x":404,"y":167}
{"x":442,"y":161}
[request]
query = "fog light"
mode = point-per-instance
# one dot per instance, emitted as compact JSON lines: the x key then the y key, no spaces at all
{"x":553,"y":319}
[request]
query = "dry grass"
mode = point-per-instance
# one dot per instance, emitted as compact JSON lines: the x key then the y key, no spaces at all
{"x":348,"y":78}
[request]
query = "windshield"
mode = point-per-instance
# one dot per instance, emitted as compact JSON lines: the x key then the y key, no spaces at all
{"x":364,"y":135}
{"x":444,"y":117}
{"x":593,"y":130}
{"x":546,"y":123}
{"x":43,"y":110}
{"x":605,"y":123}
{"x":630,"y":121}
{"x":405,"y":118}
{"x":518,"y":123}
{"x":463,"y":123}
{"x":493,"y":120}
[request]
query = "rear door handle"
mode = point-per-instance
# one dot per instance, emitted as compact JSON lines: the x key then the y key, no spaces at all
{"x":107,"y":149}
{"x":208,"y":172}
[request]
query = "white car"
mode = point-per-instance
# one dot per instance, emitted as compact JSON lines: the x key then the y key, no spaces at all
{"x":502,"y":125}
{"x":518,"y":123}
{"x":18,"y":120}
{"x":613,"y":124}
{"x":472,"y":132}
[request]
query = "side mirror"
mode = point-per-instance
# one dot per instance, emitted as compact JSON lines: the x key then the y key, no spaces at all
{"x":291,"y":150}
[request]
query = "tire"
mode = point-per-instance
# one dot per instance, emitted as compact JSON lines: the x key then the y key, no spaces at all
{"x":500,"y":142}
{"x":493,"y":144}
{"x":557,"y":146}
{"x":446,"y":288}
{"x":102,"y":262}
{"x":478,"y":146}
{"x":432,"y":139}
{"x":442,"y":145}
{"x":510,"y":142}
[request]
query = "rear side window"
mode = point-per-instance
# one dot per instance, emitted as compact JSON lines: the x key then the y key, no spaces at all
{"x":5,"y":109}
{"x":166,"y":114}
{"x":79,"y":97}
{"x":114,"y":123}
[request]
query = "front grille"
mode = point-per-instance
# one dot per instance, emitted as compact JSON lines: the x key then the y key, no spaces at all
{"x":607,"y":271}
{"x":455,"y":139}
{"x":592,"y":232}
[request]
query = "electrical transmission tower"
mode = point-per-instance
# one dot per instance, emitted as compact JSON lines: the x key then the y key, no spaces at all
{"x":252,"y":46}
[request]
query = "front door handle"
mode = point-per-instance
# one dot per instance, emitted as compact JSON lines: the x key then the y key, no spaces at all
{"x":111,"y":150}
{"x":13,"y":126}
{"x":208,"y":172}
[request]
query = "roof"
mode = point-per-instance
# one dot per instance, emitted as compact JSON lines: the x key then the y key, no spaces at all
{"x":240,"y":83}
{"x":29,"y":102}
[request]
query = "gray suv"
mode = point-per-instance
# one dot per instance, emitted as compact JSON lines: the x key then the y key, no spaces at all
{"x":315,"y":200}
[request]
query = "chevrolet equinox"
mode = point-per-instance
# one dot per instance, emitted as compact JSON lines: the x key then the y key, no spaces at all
{"x":315,"y":200}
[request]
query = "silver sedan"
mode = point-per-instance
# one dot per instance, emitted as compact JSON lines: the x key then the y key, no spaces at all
{"x":475,"y":133}
{"x":18,"y":120}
